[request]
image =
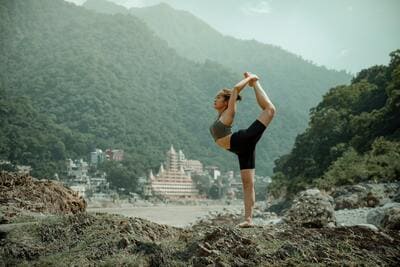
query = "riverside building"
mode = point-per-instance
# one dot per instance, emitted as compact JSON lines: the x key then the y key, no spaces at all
{"x":174,"y":181}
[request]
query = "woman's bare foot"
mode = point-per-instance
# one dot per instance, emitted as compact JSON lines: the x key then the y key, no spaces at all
{"x":245,"y":224}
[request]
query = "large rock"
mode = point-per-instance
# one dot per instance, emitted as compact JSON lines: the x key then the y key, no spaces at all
{"x":396,"y":197}
{"x":348,"y":201}
{"x":391,"y":218}
{"x":311,"y":208}
{"x":387,"y":217}
{"x":364,"y":195}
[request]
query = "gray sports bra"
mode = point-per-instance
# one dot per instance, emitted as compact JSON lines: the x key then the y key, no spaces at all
{"x":218,"y":129}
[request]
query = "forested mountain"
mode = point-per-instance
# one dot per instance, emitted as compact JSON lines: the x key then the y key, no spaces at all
{"x":294,"y":84}
{"x":353,"y":135}
{"x":31,"y":138}
{"x":110,"y":79}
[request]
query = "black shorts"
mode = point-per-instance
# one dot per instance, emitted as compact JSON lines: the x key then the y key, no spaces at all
{"x":243,"y":144}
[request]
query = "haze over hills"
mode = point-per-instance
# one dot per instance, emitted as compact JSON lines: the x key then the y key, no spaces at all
{"x":341,"y":34}
{"x":111,"y":82}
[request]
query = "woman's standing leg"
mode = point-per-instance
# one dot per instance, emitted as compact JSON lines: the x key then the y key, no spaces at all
{"x":247,"y":172}
{"x":248,"y":193}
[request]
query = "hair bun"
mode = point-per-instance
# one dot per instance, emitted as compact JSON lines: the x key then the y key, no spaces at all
{"x":226,"y":92}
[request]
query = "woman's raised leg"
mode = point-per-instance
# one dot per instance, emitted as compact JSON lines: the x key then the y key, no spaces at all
{"x":268,"y":109}
{"x":262,"y":98}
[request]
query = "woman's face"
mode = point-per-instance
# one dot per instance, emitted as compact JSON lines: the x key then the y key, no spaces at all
{"x":220,"y":102}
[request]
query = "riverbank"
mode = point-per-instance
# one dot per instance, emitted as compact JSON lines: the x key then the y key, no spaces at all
{"x":126,"y":203}
{"x":172,"y":215}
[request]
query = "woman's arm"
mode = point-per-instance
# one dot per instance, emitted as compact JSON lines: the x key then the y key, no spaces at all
{"x":242,"y":84}
{"x":230,"y":111}
{"x":236,"y":91}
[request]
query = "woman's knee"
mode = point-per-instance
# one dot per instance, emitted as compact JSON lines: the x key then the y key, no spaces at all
{"x":266,"y":116}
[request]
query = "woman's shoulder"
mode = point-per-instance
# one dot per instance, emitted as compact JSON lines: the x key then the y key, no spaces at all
{"x":224,"y":120}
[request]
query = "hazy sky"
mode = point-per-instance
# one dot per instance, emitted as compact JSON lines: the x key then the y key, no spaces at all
{"x":340,"y":34}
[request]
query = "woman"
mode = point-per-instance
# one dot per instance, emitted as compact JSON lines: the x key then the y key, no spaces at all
{"x":242,"y":142}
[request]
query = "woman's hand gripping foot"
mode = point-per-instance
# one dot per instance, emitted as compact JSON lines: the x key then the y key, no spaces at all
{"x":253,"y":80}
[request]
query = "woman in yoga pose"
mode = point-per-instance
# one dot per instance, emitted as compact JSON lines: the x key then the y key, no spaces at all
{"x":242,"y":142}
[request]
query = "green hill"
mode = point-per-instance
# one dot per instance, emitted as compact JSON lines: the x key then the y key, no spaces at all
{"x":28,"y":137}
{"x":353,"y":135}
{"x":110,"y":79}
{"x":294,"y":84}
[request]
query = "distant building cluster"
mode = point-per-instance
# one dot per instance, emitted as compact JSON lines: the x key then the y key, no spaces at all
{"x":172,"y":181}
{"x":87,"y":186}
{"x":91,"y":186}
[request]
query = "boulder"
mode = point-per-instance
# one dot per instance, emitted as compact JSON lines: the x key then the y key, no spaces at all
{"x":349,"y":201}
{"x":311,"y":208}
{"x":365,"y":195}
{"x":396,"y":196}
{"x":391,"y":218}
{"x":387,"y":216}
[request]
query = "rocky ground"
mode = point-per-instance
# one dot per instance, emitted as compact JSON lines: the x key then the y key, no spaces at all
{"x":113,"y":240}
{"x":99,"y":239}
{"x":23,"y":194}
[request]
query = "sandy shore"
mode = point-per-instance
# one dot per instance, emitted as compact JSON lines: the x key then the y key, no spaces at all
{"x":174,"y":215}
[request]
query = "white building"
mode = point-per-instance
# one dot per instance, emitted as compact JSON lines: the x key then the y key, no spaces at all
{"x":172,"y":181}
{"x":77,"y":169}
